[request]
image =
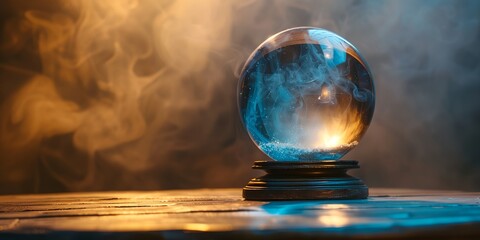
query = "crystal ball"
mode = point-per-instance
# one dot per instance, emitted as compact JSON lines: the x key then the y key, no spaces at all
{"x":306,"y":94}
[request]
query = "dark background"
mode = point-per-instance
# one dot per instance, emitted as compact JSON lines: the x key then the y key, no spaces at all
{"x":121,"y":95}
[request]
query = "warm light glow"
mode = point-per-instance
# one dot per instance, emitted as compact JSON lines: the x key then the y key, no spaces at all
{"x":332,"y":141}
{"x":197,"y":227}
{"x":325,"y":94}
{"x":333,"y":218}
{"x":340,"y":128}
{"x":334,"y":206}
{"x":203,"y":227}
{"x":337,"y":134}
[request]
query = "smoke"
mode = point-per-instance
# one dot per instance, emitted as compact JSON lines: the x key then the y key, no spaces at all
{"x":130,"y":94}
{"x":126,"y":84}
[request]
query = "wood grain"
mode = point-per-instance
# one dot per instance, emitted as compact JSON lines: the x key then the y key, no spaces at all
{"x":212,"y":213}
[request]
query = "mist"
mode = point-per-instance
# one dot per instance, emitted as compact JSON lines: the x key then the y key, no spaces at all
{"x":126,"y":95}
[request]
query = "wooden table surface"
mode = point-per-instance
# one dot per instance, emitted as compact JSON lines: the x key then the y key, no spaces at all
{"x":222,"y":213}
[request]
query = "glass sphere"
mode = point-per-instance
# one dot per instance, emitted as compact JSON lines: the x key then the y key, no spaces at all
{"x":306,"y":94}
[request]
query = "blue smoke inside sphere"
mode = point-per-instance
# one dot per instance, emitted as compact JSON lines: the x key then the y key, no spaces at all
{"x":306,"y":94}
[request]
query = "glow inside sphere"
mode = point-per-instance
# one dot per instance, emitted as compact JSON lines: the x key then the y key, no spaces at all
{"x":306,"y":94}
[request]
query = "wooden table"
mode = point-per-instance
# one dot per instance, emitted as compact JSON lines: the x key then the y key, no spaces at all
{"x":211,"y":213}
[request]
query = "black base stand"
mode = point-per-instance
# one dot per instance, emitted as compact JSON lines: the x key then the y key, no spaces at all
{"x":305,"y":180}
